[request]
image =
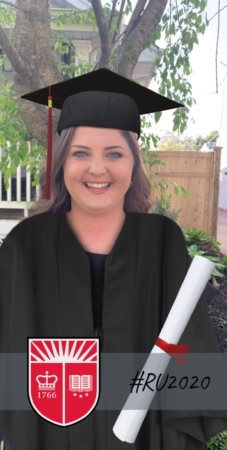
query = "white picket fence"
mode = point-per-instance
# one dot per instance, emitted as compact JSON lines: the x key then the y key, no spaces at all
{"x":18,"y":195}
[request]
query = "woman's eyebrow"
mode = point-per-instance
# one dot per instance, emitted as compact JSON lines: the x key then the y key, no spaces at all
{"x":106,"y":148}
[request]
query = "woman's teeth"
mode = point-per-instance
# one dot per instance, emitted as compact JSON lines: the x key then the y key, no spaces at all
{"x":97,"y":185}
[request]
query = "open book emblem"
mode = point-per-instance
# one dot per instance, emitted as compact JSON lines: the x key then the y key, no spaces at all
{"x":63,"y":378}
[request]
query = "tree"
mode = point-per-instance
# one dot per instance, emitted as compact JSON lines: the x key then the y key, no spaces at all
{"x":31,"y":51}
{"x":28,"y":42}
{"x":169,"y":141}
{"x":200,"y":140}
{"x":172,"y":147}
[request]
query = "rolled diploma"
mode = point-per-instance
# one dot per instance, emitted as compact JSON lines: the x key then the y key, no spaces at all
{"x":129,"y":421}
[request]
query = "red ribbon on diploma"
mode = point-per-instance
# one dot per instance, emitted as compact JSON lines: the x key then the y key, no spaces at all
{"x":173,"y":349}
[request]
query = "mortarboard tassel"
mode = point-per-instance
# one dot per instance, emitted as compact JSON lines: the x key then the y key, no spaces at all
{"x":49,"y":147}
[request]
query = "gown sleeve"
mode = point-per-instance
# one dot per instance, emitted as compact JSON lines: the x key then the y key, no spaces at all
{"x":16,"y":305}
{"x":4,"y":441}
{"x":189,"y":429}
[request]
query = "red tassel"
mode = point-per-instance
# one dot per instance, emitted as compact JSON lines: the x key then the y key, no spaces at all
{"x":49,"y":148}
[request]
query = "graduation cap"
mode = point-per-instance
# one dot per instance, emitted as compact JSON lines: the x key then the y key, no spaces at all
{"x":101,"y":98}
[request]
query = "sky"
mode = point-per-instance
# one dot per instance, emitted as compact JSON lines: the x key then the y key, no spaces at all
{"x":206,"y":113}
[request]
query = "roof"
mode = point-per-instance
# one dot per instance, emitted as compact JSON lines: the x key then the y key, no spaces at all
{"x":79,"y":4}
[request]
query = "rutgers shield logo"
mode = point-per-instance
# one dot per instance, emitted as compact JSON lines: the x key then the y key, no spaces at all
{"x":63,"y":380}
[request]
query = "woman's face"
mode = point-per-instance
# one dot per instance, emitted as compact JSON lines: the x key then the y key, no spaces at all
{"x":91,"y":160}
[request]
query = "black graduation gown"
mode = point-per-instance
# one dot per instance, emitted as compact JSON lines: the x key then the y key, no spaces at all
{"x":97,"y":261}
{"x":45,"y":291}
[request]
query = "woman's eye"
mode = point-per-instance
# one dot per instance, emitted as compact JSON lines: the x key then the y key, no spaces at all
{"x":115,"y":153}
{"x":77,"y":153}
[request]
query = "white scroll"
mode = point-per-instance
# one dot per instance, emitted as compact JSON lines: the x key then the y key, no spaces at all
{"x":129,"y":421}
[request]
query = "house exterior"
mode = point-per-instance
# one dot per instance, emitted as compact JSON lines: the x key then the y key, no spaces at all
{"x":15,"y":202}
{"x":222,"y":141}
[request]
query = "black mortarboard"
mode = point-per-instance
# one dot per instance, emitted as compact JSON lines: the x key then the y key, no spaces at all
{"x":101,"y":98}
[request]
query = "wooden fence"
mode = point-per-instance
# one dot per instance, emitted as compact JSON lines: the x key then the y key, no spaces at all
{"x":198,"y":173}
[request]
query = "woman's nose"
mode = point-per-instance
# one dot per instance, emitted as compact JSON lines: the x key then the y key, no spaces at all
{"x":97,"y":165}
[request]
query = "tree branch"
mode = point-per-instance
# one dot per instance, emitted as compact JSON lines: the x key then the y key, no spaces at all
{"x":14,"y":6}
{"x":112,"y":14}
{"x":134,"y":17}
{"x":140,"y":35}
{"x":103,"y":32}
{"x":118,"y":21}
{"x":216,"y":57}
{"x":118,"y":37}
{"x":212,"y":18}
{"x":12,"y":53}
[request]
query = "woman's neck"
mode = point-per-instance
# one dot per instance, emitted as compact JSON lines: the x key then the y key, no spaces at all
{"x":96,"y":234}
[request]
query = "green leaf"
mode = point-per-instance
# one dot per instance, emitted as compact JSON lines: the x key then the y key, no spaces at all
{"x":196,"y":3}
{"x":157,"y":116}
{"x":203,"y":4}
{"x":162,"y":88}
{"x":158,"y":32}
{"x":182,"y":127}
{"x":172,"y":28}
{"x":165,"y":18}
{"x":2,"y":140}
{"x":8,"y":173}
{"x":129,"y":4}
{"x":156,"y":161}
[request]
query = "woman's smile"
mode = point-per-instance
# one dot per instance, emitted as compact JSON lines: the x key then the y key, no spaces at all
{"x":97,"y":188}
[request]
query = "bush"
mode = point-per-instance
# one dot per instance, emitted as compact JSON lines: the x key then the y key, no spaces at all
{"x":218,"y":442}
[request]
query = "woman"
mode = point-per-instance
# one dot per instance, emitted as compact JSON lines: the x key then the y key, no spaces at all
{"x":91,"y":261}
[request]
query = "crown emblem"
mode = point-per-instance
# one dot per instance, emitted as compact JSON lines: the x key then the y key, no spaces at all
{"x":46,"y":381}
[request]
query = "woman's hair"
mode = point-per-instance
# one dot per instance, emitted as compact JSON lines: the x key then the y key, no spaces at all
{"x":137,"y":198}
